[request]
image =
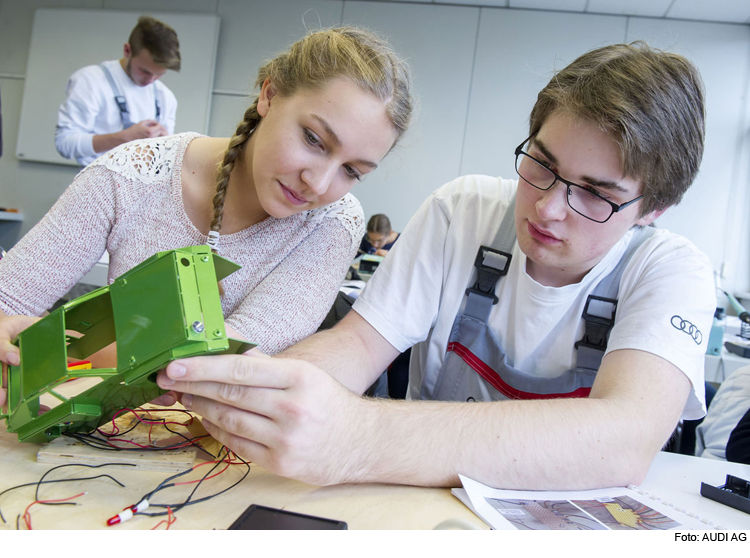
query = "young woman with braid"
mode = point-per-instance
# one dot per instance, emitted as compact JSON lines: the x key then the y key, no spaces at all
{"x":329,"y":109}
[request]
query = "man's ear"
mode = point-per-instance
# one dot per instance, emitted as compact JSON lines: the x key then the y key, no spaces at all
{"x":650,"y":217}
{"x":267,"y":93}
{"x":126,"y":50}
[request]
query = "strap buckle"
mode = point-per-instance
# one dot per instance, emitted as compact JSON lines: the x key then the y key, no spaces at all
{"x":598,"y":325}
{"x":121,"y":103}
{"x":491,"y":264}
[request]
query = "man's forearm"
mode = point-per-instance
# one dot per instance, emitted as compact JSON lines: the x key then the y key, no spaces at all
{"x":330,"y":350}
{"x":105,"y":142}
{"x":352,"y":352}
{"x":608,"y":439}
{"x":511,"y":444}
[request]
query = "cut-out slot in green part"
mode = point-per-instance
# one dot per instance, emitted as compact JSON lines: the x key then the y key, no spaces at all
{"x":166,"y":308}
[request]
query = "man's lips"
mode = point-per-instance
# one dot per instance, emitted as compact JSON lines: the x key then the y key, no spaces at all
{"x":541,"y":235}
{"x":292,"y":196}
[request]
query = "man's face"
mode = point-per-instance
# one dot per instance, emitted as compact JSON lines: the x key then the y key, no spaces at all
{"x":561,"y":246}
{"x":141,"y":68}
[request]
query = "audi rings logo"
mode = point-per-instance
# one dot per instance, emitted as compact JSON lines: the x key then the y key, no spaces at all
{"x":687,"y":327}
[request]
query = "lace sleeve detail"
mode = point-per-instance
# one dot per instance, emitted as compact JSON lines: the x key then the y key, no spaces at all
{"x":348,"y":211}
{"x":147,"y":160}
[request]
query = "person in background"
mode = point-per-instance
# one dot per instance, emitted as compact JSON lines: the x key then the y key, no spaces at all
{"x":274,"y":198}
{"x":379,"y":238}
{"x":725,"y":431}
{"x":122,"y":100}
{"x":557,"y":337}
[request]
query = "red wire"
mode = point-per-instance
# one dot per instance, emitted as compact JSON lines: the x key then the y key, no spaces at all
{"x":27,"y":515}
{"x":229,"y":460}
{"x":171,"y":518}
{"x":148,"y":420}
{"x":186,"y":444}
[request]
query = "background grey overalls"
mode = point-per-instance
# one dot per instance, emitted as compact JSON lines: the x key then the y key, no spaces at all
{"x":122,"y":103}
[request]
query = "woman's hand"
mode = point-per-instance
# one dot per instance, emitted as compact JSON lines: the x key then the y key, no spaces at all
{"x":10,"y":327}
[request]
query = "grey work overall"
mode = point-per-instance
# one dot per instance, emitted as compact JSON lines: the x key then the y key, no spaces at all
{"x":476,"y":367}
{"x":122,"y":103}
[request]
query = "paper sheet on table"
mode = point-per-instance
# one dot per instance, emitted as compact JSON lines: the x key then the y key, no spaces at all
{"x":617,"y":508}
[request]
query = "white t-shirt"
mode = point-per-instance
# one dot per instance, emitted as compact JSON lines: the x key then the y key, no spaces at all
{"x":417,"y":292}
{"x":90,"y":109}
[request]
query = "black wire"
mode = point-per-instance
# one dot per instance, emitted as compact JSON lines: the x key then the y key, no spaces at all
{"x":98,"y":443}
{"x":188,"y":501}
{"x":138,"y":422}
{"x":42,"y":481}
{"x":102,"y":444}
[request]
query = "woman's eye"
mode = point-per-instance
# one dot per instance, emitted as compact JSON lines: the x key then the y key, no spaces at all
{"x":352,"y":172}
{"x":311,"y":138}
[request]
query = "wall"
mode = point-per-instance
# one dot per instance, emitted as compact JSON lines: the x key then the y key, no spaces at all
{"x":477,"y":72}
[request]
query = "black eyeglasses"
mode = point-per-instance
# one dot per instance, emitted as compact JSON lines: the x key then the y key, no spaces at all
{"x":582,"y":200}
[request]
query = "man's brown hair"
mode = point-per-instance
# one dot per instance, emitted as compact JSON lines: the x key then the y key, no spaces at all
{"x":649,"y":101}
{"x":159,"y":39}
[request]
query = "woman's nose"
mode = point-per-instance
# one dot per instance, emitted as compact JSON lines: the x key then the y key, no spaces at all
{"x":318,"y":177}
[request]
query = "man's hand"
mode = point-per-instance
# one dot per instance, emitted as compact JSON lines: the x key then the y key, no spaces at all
{"x":287,"y":416}
{"x":145,"y":129}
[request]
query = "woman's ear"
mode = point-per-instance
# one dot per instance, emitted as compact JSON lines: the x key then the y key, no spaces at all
{"x":267,"y":92}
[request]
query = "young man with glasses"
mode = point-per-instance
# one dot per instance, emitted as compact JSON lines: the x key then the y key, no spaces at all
{"x":557,"y":338}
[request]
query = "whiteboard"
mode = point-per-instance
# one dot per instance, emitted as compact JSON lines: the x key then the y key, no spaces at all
{"x":64,"y":40}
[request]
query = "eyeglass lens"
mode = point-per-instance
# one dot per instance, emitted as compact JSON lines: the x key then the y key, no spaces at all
{"x":579,"y":199}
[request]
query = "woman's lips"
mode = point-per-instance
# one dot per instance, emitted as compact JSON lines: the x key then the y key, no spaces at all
{"x":292,"y":196}
{"x":542,"y":236}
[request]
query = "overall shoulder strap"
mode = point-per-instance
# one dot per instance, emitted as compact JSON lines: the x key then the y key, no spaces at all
{"x":491,"y":264}
{"x":119,"y":97}
{"x":156,"y":101}
{"x":601,"y":305}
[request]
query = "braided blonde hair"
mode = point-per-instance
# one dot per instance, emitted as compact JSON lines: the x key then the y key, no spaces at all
{"x":310,"y":63}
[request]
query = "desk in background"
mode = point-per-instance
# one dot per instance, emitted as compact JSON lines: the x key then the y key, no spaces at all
{"x":719,"y":367}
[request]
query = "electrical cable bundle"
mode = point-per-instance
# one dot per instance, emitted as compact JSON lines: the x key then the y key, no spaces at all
{"x":106,"y":441}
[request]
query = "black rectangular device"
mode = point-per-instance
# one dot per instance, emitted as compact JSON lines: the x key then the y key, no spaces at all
{"x":263,"y":518}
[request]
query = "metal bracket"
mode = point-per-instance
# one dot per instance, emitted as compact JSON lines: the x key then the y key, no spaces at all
{"x":148,"y":312}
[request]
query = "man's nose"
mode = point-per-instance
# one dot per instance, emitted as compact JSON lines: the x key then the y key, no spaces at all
{"x":553,"y":202}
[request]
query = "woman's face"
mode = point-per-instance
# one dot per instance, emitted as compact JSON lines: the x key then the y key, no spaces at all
{"x":377,"y":239}
{"x":312,"y":147}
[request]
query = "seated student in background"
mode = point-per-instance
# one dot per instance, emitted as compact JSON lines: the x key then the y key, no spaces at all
{"x":328,"y":111}
{"x":738,"y":445}
{"x":725,"y":432}
{"x":379,"y":238}
{"x":514,"y":398}
{"x":122,"y":100}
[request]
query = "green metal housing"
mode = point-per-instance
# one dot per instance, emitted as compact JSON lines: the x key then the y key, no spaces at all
{"x":166,"y":308}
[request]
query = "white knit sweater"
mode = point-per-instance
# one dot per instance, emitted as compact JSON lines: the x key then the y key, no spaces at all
{"x":129,"y":203}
